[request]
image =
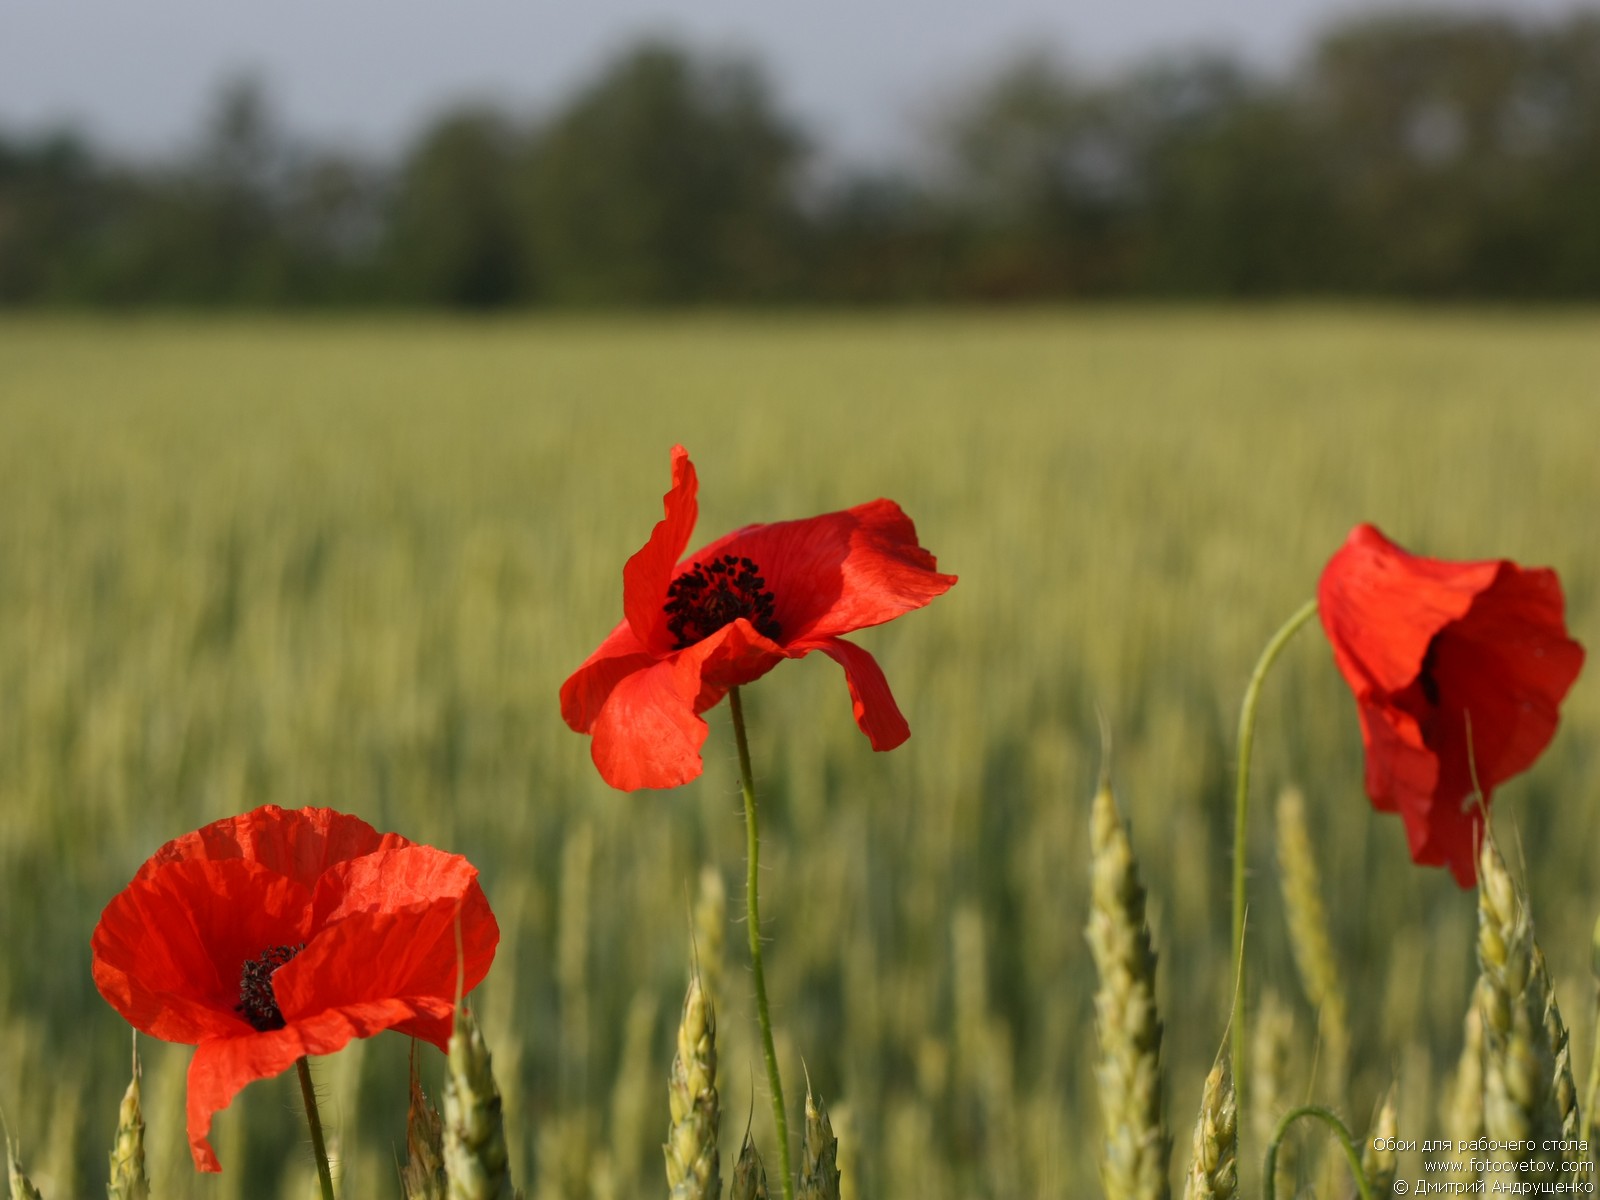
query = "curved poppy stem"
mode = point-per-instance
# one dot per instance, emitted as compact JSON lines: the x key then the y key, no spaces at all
{"x":319,"y":1148}
{"x":753,"y":922}
{"x":1269,"y":1182}
{"x":1241,"y":807}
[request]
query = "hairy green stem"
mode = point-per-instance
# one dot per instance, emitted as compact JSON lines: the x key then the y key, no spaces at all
{"x":1269,"y":1182}
{"x":319,"y":1150}
{"x":753,"y":923}
{"x":1241,"y":808}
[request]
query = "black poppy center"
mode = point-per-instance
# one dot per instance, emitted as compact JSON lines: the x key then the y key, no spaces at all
{"x":710,"y":595}
{"x":257,"y":1004}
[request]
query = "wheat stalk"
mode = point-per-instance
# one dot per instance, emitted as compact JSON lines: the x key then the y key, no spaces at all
{"x":1314,"y":959}
{"x":1378,"y":1160}
{"x":1268,"y":1096}
{"x":1136,"y":1145}
{"x":1213,"y":1163}
{"x":693,"y":1165}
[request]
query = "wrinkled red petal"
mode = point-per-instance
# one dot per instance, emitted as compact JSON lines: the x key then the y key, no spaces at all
{"x":1402,"y":771}
{"x":169,"y":947}
{"x":392,"y":881}
{"x":1382,"y":606}
{"x":645,"y":576}
{"x":648,"y":735}
{"x":411,"y":958}
{"x":220,"y":1069}
{"x":1501,"y":674}
{"x":1403,"y":777}
{"x":731,"y":657}
{"x":299,"y":843}
{"x":840,"y":571}
{"x":873,"y":704}
{"x":586,"y":690}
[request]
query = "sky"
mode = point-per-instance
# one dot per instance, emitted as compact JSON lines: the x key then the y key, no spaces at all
{"x":137,"y":75}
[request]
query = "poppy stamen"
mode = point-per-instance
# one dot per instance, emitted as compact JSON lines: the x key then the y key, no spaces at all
{"x":710,"y":595}
{"x":257,"y":1003}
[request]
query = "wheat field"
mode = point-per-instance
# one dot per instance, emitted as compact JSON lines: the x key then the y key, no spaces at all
{"x":349,"y":563}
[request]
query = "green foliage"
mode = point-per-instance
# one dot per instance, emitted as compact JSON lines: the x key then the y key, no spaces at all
{"x":350,"y":563}
{"x":454,"y":236}
{"x":668,"y":180}
{"x":1415,"y":155}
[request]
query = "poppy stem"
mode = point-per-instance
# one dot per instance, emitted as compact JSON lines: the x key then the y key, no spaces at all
{"x":753,"y":924}
{"x":1269,"y":1182}
{"x":319,"y":1149}
{"x":1241,"y":808}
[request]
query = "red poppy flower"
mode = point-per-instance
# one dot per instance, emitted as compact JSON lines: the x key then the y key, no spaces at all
{"x":726,"y":615}
{"x":1458,"y":669}
{"x":277,"y":934}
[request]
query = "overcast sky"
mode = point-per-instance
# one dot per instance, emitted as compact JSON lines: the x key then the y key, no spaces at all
{"x":137,"y":74}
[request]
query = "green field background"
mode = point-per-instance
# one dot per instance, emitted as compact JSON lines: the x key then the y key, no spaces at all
{"x":349,"y":563}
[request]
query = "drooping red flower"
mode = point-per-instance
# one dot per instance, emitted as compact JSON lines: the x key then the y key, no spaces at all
{"x":726,"y":615}
{"x":265,"y":937}
{"x":1458,"y":669}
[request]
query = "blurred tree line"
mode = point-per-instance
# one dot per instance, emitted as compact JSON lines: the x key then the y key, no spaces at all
{"x":1416,"y":155}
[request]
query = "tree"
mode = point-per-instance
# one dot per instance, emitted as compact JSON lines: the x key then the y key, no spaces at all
{"x":455,"y":237}
{"x":667,"y":181}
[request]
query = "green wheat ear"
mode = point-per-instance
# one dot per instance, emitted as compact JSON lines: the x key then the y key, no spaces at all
{"x":128,"y":1180}
{"x":749,"y":1176}
{"x":475,"y":1157}
{"x":1462,"y":1108}
{"x":694,"y":1168}
{"x":1136,"y":1145}
{"x":21,"y":1186}
{"x":1520,"y":1065}
{"x":423,"y":1176}
{"x":819,"y":1154}
{"x":1214,"y":1158}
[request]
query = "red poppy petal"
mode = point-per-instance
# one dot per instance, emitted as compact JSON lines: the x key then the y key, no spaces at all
{"x":220,"y":1069}
{"x":168,"y":948}
{"x":1505,"y":668}
{"x":411,"y":877}
{"x":647,"y":734}
{"x":733,"y":656}
{"x":1402,"y":772}
{"x":299,"y":843}
{"x":840,"y":571}
{"x":1381,"y":607}
{"x":412,"y":958}
{"x":645,"y":576}
{"x":584,"y":693}
{"x":873,"y":704}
